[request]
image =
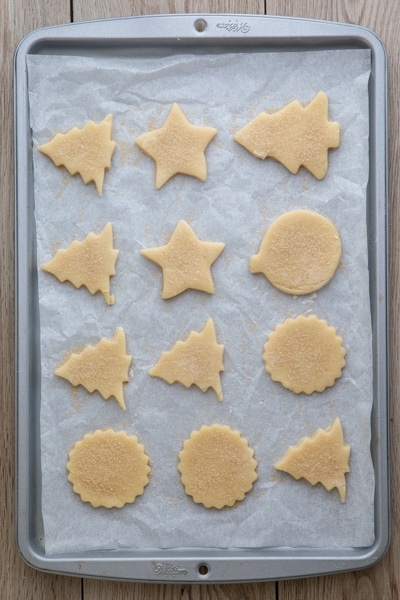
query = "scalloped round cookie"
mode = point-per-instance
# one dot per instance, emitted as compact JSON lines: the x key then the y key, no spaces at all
{"x":300,"y":252}
{"x":108,"y":468}
{"x":217,"y":466}
{"x":304,"y":354}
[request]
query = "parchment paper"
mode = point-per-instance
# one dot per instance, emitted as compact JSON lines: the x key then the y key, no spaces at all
{"x":241,"y":197}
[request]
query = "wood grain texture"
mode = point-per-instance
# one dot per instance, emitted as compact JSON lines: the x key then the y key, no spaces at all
{"x":123,"y":8}
{"x":17,"y":581}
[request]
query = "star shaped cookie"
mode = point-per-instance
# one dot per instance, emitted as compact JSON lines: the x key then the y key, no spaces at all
{"x":177,"y":147}
{"x":185,"y":261}
{"x":295,"y":136}
{"x":86,"y":151}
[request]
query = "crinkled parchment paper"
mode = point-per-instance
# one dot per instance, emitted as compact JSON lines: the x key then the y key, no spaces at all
{"x":241,"y":197}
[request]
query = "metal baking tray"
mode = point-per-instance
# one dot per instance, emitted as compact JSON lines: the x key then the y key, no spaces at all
{"x":180,"y":33}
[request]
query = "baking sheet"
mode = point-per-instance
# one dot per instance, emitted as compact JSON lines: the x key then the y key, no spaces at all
{"x":237,"y":202}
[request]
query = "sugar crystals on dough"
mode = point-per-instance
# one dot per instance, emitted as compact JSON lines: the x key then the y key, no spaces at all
{"x":295,"y":136}
{"x":217,"y":466}
{"x":108,"y":468}
{"x":87,"y":151}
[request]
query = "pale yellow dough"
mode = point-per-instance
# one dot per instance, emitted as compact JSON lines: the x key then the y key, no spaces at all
{"x":177,"y":147}
{"x":217,"y":466}
{"x":304,"y":354}
{"x":108,"y":468}
{"x":90,"y":263}
{"x":300,"y":252}
{"x":323,"y":458}
{"x":196,"y":361}
{"x":185,"y":261}
{"x":104,"y":367}
{"x":87,"y":151}
{"x":295,"y":136}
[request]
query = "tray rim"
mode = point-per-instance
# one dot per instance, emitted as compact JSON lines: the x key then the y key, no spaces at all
{"x":182,"y":565}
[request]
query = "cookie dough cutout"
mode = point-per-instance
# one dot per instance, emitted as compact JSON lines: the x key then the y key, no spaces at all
{"x":104,"y":367}
{"x":304,"y":354}
{"x":295,"y":136}
{"x":323,"y":458}
{"x":300,"y":252}
{"x":196,"y":361}
{"x":185,"y":261}
{"x":217,"y":466}
{"x":108,"y":468}
{"x":89,"y":263}
{"x":177,"y":147}
{"x":87,"y":151}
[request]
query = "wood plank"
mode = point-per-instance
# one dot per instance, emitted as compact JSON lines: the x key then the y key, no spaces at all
{"x":17,"y":580}
{"x":112,"y":590}
{"x":104,"y":9}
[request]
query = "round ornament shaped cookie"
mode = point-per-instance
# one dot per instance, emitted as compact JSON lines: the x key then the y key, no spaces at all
{"x":300,"y":252}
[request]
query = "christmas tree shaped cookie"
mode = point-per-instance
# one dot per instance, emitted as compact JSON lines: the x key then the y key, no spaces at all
{"x":304,"y":354}
{"x":185,"y":261}
{"x":86,"y":151}
{"x":90,"y":263}
{"x":177,"y":147}
{"x":217,"y":466}
{"x":323,"y":458}
{"x":295,"y":136}
{"x":196,"y":361}
{"x":108,"y":468}
{"x":103,"y":367}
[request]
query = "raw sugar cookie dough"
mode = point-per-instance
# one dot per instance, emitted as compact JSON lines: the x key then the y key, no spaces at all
{"x":300,"y":252}
{"x":322,"y":458}
{"x":108,"y":468}
{"x":104,"y":367}
{"x":295,"y":136}
{"x":87,"y":151}
{"x":304,"y":354}
{"x":195,"y":361}
{"x":185,"y":261}
{"x":89,"y":263}
{"x":217,"y":466}
{"x":177,"y":147}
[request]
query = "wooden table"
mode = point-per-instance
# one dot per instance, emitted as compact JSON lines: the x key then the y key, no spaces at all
{"x":19,"y":581}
